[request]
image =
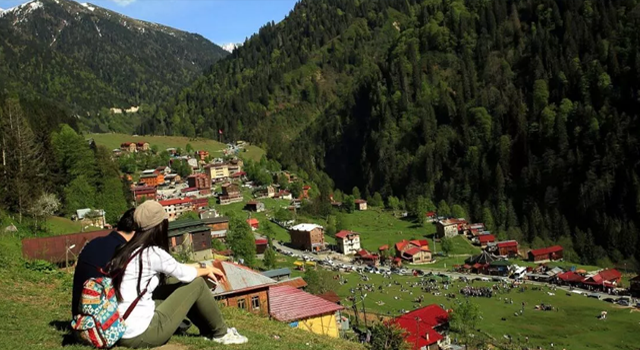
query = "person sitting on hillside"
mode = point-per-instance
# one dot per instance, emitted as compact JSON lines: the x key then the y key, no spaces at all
{"x":141,"y":266}
{"x":96,"y":255}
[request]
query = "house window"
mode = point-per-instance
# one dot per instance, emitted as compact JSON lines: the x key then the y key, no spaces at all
{"x":255,"y":303}
{"x":241,"y":304}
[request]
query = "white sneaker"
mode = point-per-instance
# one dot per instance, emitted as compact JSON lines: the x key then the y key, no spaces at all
{"x":232,"y":337}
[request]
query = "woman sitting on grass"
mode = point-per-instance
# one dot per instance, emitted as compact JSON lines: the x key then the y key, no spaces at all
{"x":141,"y":266}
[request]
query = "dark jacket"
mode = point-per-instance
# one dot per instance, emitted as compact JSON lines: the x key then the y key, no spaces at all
{"x":95,"y":255}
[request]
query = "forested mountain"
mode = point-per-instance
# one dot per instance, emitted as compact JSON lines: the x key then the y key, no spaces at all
{"x":86,"y":57}
{"x":523,"y":112}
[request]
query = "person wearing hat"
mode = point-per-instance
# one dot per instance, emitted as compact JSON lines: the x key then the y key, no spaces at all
{"x":142,"y":265}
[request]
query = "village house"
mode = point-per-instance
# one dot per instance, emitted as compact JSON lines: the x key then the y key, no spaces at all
{"x":255,"y":206}
{"x":448,"y":227}
{"x":361,"y":204}
{"x":254,"y":223}
{"x":305,"y":192}
{"x":546,"y":254}
{"x":261,"y":245}
{"x":152,"y":179}
{"x":165,"y":170}
{"x":193,"y":163}
{"x":265,"y":192}
{"x":217,"y":172}
{"x":474,"y":230}
{"x":634,"y":286}
{"x":176,"y":207}
{"x":130,"y":147}
{"x":201,"y":182}
{"x":244,"y":288}
{"x":143,"y":146}
{"x":307,"y":237}
{"x":219,"y":226}
{"x":507,"y":248}
{"x":608,"y":278}
{"x":366,"y":258}
{"x":431,"y":216}
{"x":235,"y":166}
{"x":348,"y":242}
{"x":192,"y":237}
{"x":414,"y":251}
{"x":91,"y":217}
{"x":143,"y":193}
{"x":230,"y":194}
{"x":283,"y":194}
{"x":424,"y":327}
{"x":484,"y":240}
{"x":202,"y":155}
{"x":570,"y":278}
{"x":304,"y":311}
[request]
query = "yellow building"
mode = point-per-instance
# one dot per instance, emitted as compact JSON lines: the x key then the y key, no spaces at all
{"x":303,"y":310}
{"x":217,"y":172}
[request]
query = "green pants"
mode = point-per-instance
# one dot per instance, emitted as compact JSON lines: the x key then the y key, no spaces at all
{"x":193,"y":300}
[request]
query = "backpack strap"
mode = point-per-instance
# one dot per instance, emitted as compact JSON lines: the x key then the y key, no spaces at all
{"x":135,"y":302}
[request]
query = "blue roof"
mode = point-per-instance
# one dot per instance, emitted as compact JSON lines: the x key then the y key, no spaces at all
{"x":277,"y":272}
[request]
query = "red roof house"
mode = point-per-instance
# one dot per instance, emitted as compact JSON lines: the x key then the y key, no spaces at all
{"x":484,"y":240}
{"x":544,"y":254}
{"x":422,"y":326}
{"x":289,"y":304}
{"x":254,"y":223}
{"x":507,"y":248}
{"x":606,"y":278}
{"x":261,"y":245}
{"x":570,"y":277}
{"x":383,"y":248}
{"x":415,"y":251}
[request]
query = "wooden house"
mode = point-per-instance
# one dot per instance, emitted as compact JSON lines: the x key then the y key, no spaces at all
{"x":244,"y":288}
{"x":307,"y":237}
{"x":414,"y":251}
{"x":546,"y":254}
{"x":192,"y":237}
{"x":361,"y":204}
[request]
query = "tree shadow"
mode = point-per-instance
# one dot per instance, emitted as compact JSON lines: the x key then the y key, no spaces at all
{"x":68,"y":338}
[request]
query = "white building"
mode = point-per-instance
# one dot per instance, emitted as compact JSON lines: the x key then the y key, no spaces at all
{"x":348,"y":242}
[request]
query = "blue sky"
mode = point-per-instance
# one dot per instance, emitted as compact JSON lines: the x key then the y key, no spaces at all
{"x":221,"y":21}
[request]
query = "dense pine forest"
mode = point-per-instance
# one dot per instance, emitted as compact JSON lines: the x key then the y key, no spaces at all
{"x":525,"y":113}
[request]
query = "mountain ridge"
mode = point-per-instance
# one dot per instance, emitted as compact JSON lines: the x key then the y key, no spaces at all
{"x":523,"y":114}
{"x":89,"y":58}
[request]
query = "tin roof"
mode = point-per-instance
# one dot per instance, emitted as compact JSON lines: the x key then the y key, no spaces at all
{"x":296,"y":282}
{"x":240,"y":278}
{"x":289,"y":304}
{"x":285,"y":271}
{"x":545,"y":251}
{"x":217,"y":220}
{"x":305,"y":227}
{"x":506,"y":244}
{"x":419,"y":325}
{"x":344,"y":233}
{"x":178,"y":201}
{"x":486,"y":238}
{"x":53,"y":249}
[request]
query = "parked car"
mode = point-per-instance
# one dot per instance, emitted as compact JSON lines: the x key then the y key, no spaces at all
{"x":623,"y":302}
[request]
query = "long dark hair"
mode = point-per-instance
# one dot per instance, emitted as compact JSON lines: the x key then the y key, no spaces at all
{"x":156,"y":236}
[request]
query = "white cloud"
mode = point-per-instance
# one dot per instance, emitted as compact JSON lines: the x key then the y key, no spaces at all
{"x":123,"y":2}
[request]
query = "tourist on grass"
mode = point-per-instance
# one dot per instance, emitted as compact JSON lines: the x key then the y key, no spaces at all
{"x":96,"y":255}
{"x":141,"y":266}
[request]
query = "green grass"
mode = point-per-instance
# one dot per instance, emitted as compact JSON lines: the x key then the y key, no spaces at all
{"x":35,"y":307}
{"x":574,"y":326}
{"x":60,"y":226}
{"x":215,"y":148}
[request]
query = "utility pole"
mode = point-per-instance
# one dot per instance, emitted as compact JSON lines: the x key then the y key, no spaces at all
{"x":364,"y":309}
{"x":355,"y":309}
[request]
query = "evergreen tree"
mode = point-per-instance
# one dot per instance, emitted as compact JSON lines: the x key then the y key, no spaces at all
{"x":241,"y":241}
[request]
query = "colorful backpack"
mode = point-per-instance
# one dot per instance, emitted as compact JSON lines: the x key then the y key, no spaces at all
{"x":99,"y":323}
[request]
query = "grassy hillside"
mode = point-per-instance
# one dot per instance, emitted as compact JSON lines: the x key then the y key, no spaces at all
{"x":35,"y":310}
{"x":215,"y":148}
